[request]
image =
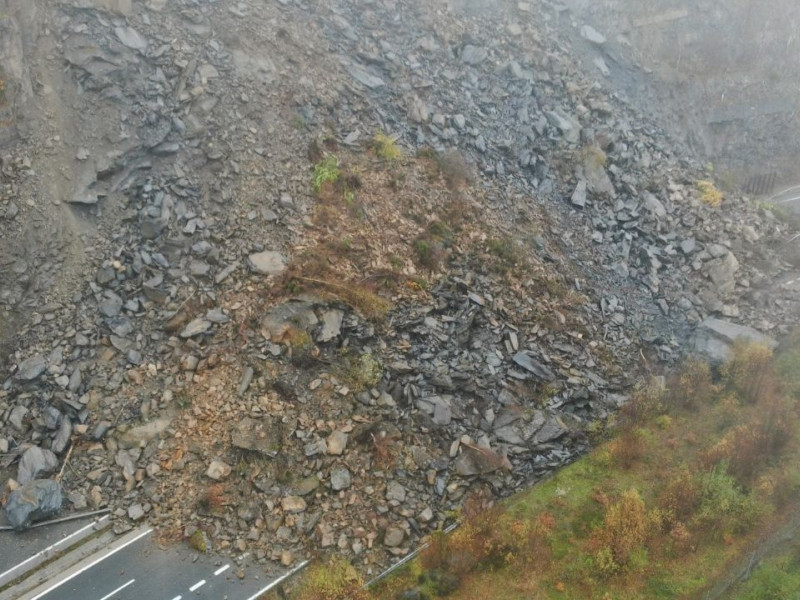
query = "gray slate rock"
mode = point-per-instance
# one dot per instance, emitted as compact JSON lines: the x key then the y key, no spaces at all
{"x":364,"y":77}
{"x":262,"y":436}
{"x":473,"y":55}
{"x":31,"y":368}
{"x":340,"y":479}
{"x":34,"y":501}
{"x":61,"y":440}
{"x":591,"y":34}
{"x":533,"y":366}
{"x":714,"y":339}
{"x":268,"y":262}
{"x":35,"y":462}
{"x":196,"y":327}
{"x":331,"y":325}
{"x":579,"y":195}
{"x":111,"y":304}
{"x":131,"y":38}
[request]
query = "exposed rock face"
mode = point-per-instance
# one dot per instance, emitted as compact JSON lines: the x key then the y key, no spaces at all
{"x":714,"y":339}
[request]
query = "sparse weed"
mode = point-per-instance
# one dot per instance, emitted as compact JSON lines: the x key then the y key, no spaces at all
{"x":593,"y":157}
{"x":326,"y":171}
{"x":710,"y":195}
{"x":334,"y":580}
{"x":385,"y":147}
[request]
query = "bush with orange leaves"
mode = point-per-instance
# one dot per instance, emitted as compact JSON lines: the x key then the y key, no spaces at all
{"x":476,"y":542}
{"x":746,"y":449}
{"x":680,"y":497}
{"x":691,"y":385}
{"x":750,"y":372}
{"x":489,"y":537}
{"x":628,"y":448}
{"x":645,"y":401}
{"x":627,"y":527}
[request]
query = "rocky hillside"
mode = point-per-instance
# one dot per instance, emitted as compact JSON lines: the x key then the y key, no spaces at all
{"x":286,"y":275}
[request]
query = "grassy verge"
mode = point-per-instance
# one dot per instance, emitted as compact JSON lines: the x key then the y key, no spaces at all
{"x":700,"y":471}
{"x":776,"y":579}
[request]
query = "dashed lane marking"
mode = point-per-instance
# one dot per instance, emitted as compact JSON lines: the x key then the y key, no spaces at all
{"x":221,"y":570}
{"x":197,"y":585}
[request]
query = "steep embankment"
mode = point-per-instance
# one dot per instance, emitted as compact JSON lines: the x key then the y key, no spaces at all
{"x":285,"y":334}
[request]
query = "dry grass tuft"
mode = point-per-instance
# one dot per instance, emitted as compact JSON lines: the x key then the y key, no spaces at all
{"x":710,"y":195}
{"x":385,"y":147}
{"x":334,"y":580}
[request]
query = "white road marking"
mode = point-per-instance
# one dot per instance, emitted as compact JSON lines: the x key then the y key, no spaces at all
{"x":197,"y":585}
{"x":177,"y":598}
{"x":53,"y":546}
{"x":221,"y":570}
{"x":280,"y":579}
{"x":91,"y":564}
{"x":119,"y":589}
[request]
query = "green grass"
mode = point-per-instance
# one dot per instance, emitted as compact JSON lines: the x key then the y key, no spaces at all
{"x":326,"y":171}
{"x":778,"y":578}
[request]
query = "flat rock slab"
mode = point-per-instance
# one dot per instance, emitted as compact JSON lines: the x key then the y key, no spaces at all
{"x":123,"y":7}
{"x":364,"y":77}
{"x":134,"y":436}
{"x":196,"y":327}
{"x":31,"y":368}
{"x":590,"y":33}
{"x":475,"y":460}
{"x":268,"y":262}
{"x":533,"y":366}
{"x":131,"y":38}
{"x":259,"y":436}
{"x":714,"y":339}
{"x":35,"y":462}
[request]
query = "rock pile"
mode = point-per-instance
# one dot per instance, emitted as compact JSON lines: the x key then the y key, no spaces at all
{"x":198,"y":398}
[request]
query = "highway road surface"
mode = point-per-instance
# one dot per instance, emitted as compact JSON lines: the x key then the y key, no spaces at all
{"x":134,"y":567}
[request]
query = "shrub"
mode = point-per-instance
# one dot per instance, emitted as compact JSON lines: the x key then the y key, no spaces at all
{"x":627,"y":448}
{"x":681,"y":496}
{"x":724,"y":506}
{"x":746,"y":449}
{"x":334,"y":580}
{"x":627,"y":527}
{"x":362,"y":373}
{"x":429,"y":252}
{"x":787,"y":367}
{"x":692,"y":384}
{"x":385,"y":147}
{"x":486,"y":539}
{"x":709,"y":193}
{"x":750,"y":372}
{"x":593,"y":157}
{"x":454,"y":169}
{"x":326,"y":171}
{"x":645,"y":400}
{"x":506,"y":251}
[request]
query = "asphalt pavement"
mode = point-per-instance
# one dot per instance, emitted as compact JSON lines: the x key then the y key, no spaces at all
{"x":135,"y":567}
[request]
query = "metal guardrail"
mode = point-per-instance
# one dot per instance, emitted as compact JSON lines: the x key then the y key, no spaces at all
{"x":405,"y":560}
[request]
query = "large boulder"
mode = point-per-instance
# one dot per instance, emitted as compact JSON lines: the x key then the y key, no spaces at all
{"x":714,"y":339}
{"x":36,"y":500}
